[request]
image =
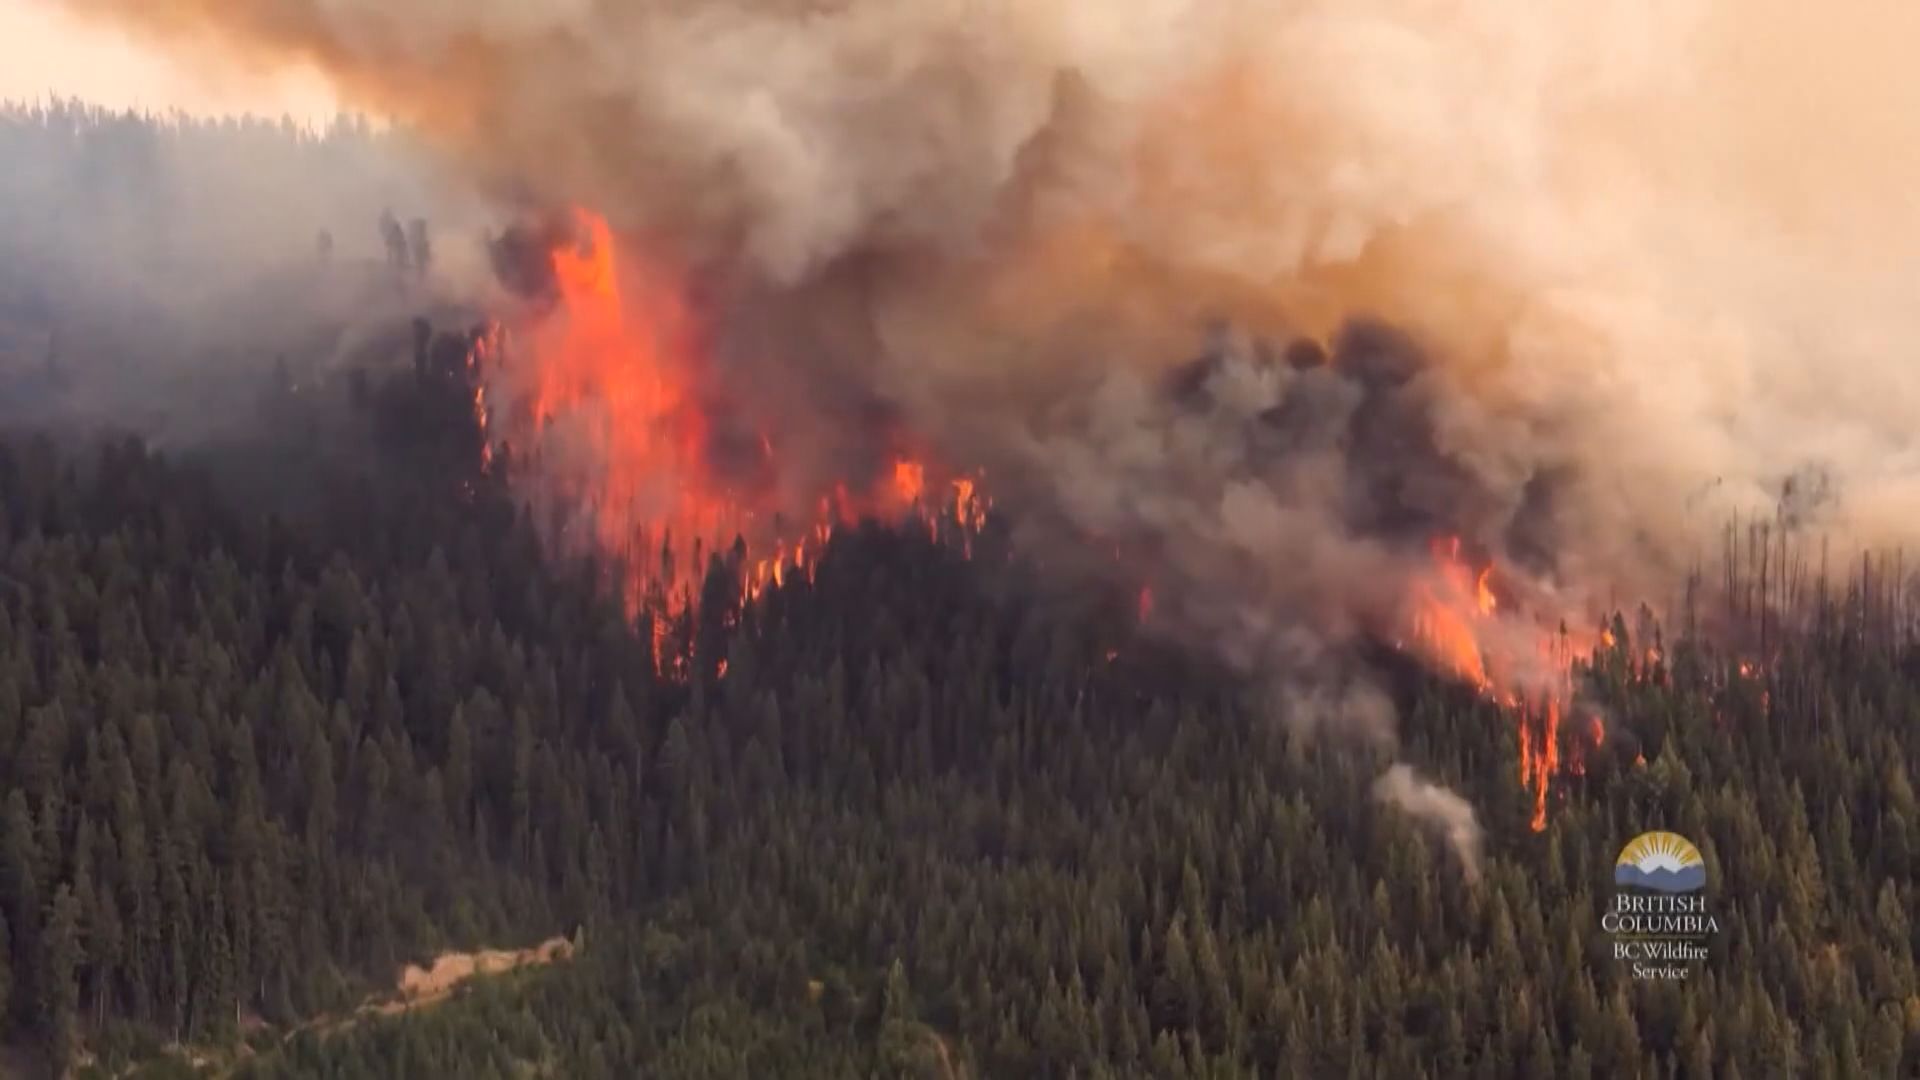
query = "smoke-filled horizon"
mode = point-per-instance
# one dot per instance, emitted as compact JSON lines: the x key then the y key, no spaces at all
{"x":1654,"y":259}
{"x":152,"y":269}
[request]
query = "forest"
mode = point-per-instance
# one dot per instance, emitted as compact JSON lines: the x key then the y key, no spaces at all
{"x":284,"y":710}
{"x":275,"y":721}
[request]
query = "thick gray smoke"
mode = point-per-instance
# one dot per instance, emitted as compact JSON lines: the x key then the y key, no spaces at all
{"x":1286,"y":500}
{"x":1658,"y":257}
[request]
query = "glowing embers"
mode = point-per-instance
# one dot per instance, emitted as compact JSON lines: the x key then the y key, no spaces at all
{"x":488,"y":344}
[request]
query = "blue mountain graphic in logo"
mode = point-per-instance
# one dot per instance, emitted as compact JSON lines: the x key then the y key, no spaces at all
{"x":1663,"y":861}
{"x":1685,"y":879}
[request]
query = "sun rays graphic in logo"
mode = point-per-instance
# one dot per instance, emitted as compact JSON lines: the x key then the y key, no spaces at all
{"x":1663,"y":861}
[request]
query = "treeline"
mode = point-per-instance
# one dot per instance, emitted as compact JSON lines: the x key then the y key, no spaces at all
{"x":175,"y":187}
{"x":930,"y":822}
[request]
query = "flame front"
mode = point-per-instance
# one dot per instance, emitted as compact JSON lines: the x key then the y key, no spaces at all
{"x":617,"y":411}
{"x":616,"y":423}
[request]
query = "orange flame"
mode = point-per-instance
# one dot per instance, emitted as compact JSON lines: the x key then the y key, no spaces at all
{"x":1546,"y":763}
{"x":619,"y":405}
{"x":616,"y":364}
{"x":1458,"y":625}
{"x":1444,"y":612}
{"x":909,"y":479}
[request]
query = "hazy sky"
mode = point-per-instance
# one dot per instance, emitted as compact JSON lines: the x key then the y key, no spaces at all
{"x":44,"y":52}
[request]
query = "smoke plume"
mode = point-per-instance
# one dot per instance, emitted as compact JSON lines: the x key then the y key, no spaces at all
{"x":1649,"y":262}
{"x":1448,"y":813}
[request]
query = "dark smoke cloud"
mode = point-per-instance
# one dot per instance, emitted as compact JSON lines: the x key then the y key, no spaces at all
{"x":1287,"y":510}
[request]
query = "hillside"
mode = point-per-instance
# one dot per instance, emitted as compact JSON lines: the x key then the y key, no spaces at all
{"x":934,"y":819}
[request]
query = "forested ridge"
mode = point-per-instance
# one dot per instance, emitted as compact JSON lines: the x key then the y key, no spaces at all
{"x":257,"y":755}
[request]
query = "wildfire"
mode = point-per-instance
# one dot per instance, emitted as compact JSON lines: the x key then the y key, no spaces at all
{"x":618,"y":406}
{"x":1458,"y":626}
{"x":909,"y":479}
{"x":1447,"y":609}
{"x":485,"y":348}
{"x":615,"y":364}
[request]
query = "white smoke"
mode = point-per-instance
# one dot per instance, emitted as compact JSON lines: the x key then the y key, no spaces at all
{"x":1448,"y":814}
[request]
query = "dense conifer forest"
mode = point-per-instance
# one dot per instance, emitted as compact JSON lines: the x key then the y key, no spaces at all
{"x":263,"y":743}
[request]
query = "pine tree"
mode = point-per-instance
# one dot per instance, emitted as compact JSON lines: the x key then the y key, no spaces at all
{"x":59,"y":988}
{"x":6,"y":970}
{"x":20,"y":880}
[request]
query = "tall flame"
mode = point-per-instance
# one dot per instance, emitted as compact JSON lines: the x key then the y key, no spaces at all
{"x":615,"y":363}
{"x":1458,"y":626}
{"x":1447,"y":607}
{"x":618,"y":412}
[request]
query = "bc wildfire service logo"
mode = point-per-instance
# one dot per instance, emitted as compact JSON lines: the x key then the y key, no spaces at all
{"x":1659,"y":918}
